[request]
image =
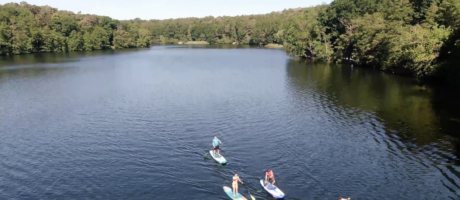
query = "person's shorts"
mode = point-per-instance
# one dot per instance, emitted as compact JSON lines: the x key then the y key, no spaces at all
{"x":270,"y":179}
{"x":216,"y":147}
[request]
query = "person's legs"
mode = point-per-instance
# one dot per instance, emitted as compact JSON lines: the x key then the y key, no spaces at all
{"x":234,"y":189}
{"x":216,"y":149}
{"x":267,"y":181}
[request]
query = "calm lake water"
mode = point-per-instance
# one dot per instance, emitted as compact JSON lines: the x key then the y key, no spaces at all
{"x":136,"y":124}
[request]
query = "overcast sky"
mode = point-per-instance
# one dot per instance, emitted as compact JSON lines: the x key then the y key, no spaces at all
{"x":165,"y":9}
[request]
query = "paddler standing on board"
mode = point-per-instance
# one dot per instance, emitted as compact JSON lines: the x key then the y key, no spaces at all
{"x":235,"y":181}
{"x":215,"y":144}
{"x":269,"y":175}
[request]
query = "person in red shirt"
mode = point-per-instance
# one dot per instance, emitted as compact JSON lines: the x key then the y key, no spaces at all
{"x":269,"y":175}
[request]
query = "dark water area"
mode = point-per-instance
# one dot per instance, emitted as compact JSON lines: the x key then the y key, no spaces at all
{"x":137,"y":123}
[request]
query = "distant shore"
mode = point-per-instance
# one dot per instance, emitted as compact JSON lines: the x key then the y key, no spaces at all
{"x":274,"y":46}
{"x":197,"y":42}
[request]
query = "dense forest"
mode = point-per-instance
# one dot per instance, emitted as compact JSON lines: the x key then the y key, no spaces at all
{"x":417,"y":37}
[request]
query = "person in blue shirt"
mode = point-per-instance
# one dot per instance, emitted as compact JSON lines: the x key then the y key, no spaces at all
{"x":215,"y":144}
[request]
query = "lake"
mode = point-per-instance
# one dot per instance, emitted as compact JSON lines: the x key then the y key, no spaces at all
{"x":137,"y":124}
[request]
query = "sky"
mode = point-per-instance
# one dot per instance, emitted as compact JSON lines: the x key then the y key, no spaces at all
{"x":167,"y":9}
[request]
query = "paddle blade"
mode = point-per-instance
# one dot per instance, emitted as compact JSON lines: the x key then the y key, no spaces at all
{"x":252,"y":197}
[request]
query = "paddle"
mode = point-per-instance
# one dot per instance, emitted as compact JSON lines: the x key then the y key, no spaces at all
{"x":252,"y":197}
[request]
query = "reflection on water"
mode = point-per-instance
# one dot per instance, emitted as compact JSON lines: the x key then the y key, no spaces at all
{"x":415,"y":114}
{"x":60,"y":57}
{"x":417,"y":119}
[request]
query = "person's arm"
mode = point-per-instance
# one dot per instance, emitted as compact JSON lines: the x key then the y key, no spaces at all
{"x":240,"y":180}
{"x":213,"y":145}
{"x":220,"y":142}
{"x":273,"y":179}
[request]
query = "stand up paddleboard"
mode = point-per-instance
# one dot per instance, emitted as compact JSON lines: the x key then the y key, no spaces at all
{"x":229,"y":192}
{"x":273,"y":190}
{"x":219,"y":159}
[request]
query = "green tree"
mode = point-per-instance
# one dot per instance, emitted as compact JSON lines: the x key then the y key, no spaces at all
{"x":144,"y":39}
{"x":6,"y":36}
{"x":53,"y":41}
{"x":75,"y":41}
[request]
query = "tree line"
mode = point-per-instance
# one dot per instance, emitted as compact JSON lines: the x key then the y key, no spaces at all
{"x":418,"y":37}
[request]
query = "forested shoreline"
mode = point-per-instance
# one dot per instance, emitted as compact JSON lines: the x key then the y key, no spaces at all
{"x":417,"y":37}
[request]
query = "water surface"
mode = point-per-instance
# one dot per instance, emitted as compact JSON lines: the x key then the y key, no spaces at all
{"x":136,"y":124}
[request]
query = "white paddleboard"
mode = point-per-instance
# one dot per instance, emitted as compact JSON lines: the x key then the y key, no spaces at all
{"x":219,"y":159}
{"x":273,"y":190}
